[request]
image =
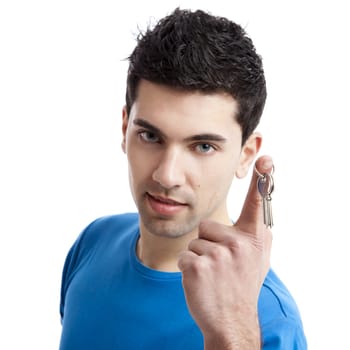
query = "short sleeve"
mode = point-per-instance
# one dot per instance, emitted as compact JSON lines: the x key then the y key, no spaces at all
{"x":284,"y":334}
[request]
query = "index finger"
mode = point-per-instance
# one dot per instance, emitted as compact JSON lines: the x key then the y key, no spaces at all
{"x":252,"y":217}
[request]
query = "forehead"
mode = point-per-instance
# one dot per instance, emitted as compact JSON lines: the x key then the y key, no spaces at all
{"x":189,"y":111}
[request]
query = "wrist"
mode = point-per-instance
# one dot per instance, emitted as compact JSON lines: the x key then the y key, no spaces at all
{"x":243,"y":333}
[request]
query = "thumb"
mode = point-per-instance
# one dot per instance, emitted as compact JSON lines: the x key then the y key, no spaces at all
{"x":252,"y":217}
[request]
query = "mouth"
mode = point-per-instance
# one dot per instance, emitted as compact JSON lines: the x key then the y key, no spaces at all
{"x":164,"y":206}
{"x":165,"y":200}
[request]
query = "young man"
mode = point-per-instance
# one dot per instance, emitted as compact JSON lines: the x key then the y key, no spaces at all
{"x":179,"y":274}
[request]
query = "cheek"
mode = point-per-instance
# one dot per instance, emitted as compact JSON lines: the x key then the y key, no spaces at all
{"x":216,"y":178}
{"x":136,"y":169}
{"x":212,"y":182}
{"x":219,"y":169}
{"x":141,"y":167}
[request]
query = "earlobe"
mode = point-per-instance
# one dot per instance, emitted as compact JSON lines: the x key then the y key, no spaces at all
{"x":249,"y":151}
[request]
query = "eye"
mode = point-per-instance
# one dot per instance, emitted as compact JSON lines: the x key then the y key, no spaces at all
{"x":149,"y":136}
{"x":205,"y":148}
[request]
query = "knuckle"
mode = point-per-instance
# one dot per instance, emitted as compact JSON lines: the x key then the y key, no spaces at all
{"x":235,"y":244}
{"x":197,"y":266}
{"x":216,"y":253}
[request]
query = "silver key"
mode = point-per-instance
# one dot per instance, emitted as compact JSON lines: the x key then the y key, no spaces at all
{"x":265,"y":188}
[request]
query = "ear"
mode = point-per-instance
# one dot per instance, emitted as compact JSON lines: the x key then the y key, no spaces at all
{"x":125,"y":122}
{"x":248,"y":153}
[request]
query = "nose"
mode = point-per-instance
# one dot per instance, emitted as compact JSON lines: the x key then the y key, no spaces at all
{"x":169,"y":172}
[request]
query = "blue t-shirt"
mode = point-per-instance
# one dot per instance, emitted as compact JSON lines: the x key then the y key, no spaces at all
{"x":110,"y":300}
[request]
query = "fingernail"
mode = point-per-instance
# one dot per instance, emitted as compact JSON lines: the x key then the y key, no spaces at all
{"x":268,"y":164}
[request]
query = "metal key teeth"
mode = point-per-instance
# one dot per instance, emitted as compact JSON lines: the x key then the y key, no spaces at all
{"x":265,"y":188}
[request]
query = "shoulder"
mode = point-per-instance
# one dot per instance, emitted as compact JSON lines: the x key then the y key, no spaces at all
{"x":275,"y":300}
{"x":107,"y":226}
{"x":99,"y":236}
{"x":95,"y":241}
{"x":120,"y":221}
{"x":279,"y":316}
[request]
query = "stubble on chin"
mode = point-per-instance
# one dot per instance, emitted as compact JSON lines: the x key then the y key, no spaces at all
{"x":168,"y":227}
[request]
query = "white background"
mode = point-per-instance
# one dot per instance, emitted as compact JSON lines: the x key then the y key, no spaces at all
{"x":62,"y":82}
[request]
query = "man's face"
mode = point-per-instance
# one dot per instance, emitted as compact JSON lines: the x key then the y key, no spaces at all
{"x":183,"y":150}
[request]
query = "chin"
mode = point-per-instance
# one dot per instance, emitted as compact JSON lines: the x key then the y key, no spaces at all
{"x":169,"y":228}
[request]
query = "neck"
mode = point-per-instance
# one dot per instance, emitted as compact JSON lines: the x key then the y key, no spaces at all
{"x":161,"y":253}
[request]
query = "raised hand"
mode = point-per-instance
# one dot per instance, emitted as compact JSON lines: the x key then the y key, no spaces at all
{"x":223,"y":271}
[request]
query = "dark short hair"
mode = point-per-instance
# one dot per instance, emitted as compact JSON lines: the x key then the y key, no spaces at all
{"x":198,"y":51}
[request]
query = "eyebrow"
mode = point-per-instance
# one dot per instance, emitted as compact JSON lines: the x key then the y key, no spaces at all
{"x":145,"y":124}
{"x":200,"y":137}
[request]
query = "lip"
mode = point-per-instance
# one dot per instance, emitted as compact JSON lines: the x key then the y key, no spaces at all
{"x":164,"y":206}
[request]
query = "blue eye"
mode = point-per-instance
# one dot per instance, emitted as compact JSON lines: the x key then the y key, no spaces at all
{"x":204,"y":148}
{"x":149,"y":136}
